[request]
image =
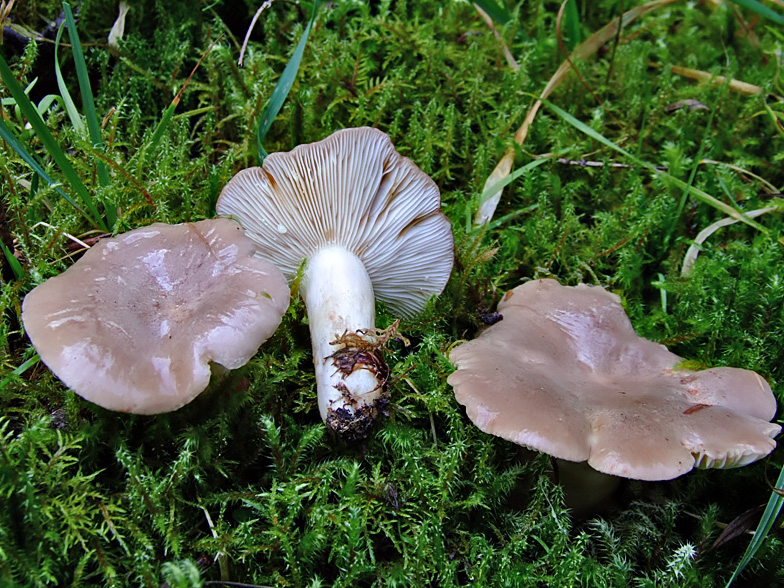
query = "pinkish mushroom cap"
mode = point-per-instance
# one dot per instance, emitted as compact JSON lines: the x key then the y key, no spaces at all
{"x":353,"y":190}
{"x":565,"y":373}
{"x":134,"y":324}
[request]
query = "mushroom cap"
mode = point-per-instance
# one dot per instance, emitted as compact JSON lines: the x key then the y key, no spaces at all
{"x":351,"y":189}
{"x":134,"y":324}
{"x":565,"y":373}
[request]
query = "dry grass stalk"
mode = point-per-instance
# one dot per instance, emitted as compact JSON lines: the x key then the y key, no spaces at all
{"x":583,"y":51}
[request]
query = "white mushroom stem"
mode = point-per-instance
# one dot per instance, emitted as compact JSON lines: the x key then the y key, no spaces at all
{"x":339,"y":298}
{"x":585,"y":489}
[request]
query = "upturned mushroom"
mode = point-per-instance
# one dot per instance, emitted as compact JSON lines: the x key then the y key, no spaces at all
{"x":564,"y":373}
{"x":366,"y":222}
{"x":136,"y":323}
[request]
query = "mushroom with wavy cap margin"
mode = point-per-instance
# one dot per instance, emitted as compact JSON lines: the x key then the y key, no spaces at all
{"x":564,"y":373}
{"x":366,"y":222}
{"x":134,"y":325}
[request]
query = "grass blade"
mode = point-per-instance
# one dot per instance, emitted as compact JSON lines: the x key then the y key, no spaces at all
{"x":572,"y":24}
{"x":498,"y":13}
{"x":9,"y":137}
{"x":88,"y":104}
{"x":281,"y":91}
{"x":500,"y":185}
{"x":84,"y":83}
{"x":162,"y":126}
{"x":13,"y":262}
{"x":20,"y":370}
{"x":491,"y":25}
{"x":760,"y":9}
{"x":775,"y":503}
{"x":499,"y":182}
{"x":704,"y":76}
{"x":694,"y":249}
{"x":70,"y":107}
{"x":696,"y":192}
{"x":589,"y":47}
{"x":42,"y":131}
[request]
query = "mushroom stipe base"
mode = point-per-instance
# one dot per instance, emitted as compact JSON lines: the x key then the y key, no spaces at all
{"x":355,"y":425}
{"x":362,"y":349}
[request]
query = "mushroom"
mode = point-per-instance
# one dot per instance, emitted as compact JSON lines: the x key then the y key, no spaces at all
{"x":564,"y":373}
{"x":365,"y":222}
{"x":135,"y":323}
